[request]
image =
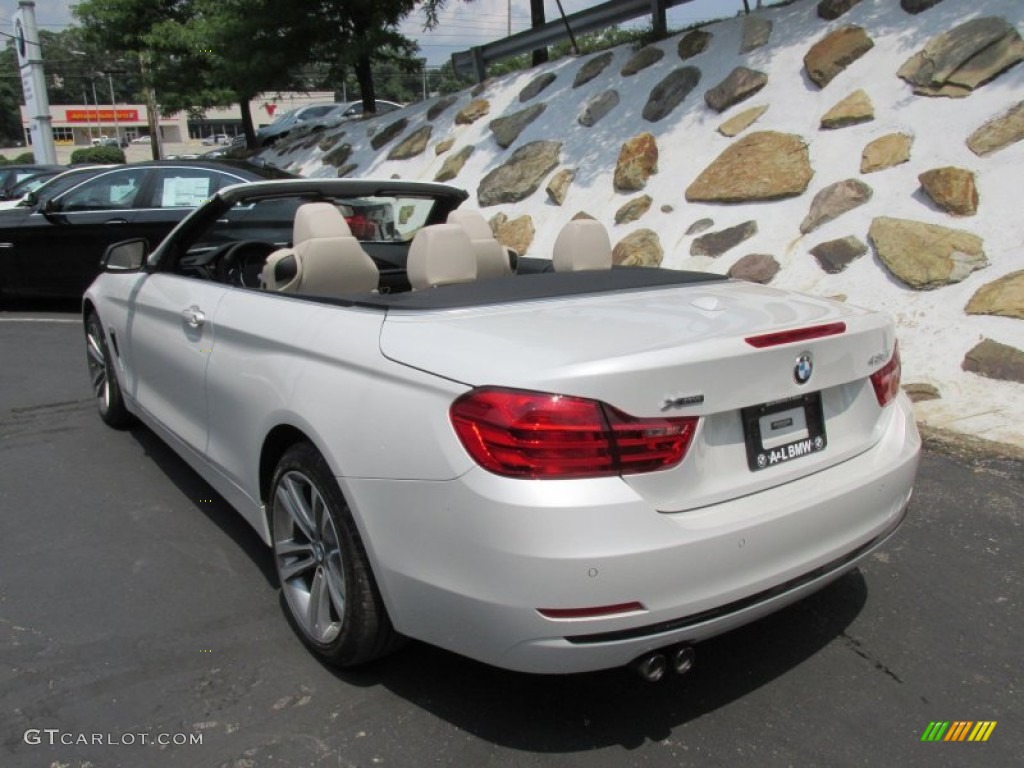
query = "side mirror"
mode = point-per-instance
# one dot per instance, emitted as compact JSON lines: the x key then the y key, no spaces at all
{"x":50,"y":207}
{"x":126,"y":256}
{"x":30,"y":199}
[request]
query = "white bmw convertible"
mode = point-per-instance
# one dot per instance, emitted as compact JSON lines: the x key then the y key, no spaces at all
{"x":550,"y":465}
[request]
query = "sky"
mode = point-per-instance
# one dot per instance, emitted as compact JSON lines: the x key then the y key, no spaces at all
{"x":462,"y":24}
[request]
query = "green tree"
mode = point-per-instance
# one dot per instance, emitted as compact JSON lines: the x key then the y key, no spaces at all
{"x":205,"y":53}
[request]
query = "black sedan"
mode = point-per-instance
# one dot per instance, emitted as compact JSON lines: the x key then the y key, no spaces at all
{"x":12,"y":174}
{"x":53,"y":246}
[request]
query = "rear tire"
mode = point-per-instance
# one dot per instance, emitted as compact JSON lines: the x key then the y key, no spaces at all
{"x":109,"y":400}
{"x":326,"y":580}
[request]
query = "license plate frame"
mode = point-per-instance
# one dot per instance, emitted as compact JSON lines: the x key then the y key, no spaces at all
{"x":761,"y":456}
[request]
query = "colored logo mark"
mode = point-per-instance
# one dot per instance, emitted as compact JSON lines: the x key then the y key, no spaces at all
{"x":959,"y":730}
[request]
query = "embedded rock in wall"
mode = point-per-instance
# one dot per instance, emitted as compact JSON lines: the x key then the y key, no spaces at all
{"x":716,"y":243}
{"x":738,"y":124}
{"x":926,"y":256}
{"x":694,"y":42}
{"x":998,"y":133}
{"x":833,"y":201}
{"x":558,"y":186}
{"x":670,"y":92}
{"x":757,"y":31}
{"x":952,"y":189}
{"x":472,"y":112}
{"x":346,"y":169}
{"x":920,"y":391}
{"x":338,"y":156}
{"x":853,"y":110}
{"x":507,"y":129}
{"x":642,"y":59}
{"x":755,"y":268}
{"x":1004,"y":297}
{"x":327,"y":143}
{"x":700,"y":225}
{"x":633,"y":210}
{"x":886,"y":152}
{"x":412,"y":145}
{"x":389,"y":132}
{"x":741,"y":84}
{"x":834,"y":256}
{"x":833,"y":9}
{"x":760,"y":166}
{"x":453,"y":164}
{"x":537,"y":85}
{"x":638,"y":159}
{"x":835,"y":52}
{"x":995,"y":361}
{"x":964,"y":58}
{"x":516,"y":234}
{"x":520,"y":177}
{"x":443,"y":146}
{"x":438,"y":107}
{"x":916,"y":6}
{"x":597,"y":107}
{"x":638,"y":249}
{"x":593,"y":68}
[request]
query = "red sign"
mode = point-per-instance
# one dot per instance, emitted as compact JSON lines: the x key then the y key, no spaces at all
{"x":100,"y":115}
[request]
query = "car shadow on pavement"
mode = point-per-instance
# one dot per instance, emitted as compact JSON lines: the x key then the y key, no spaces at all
{"x":572,"y":713}
{"x":218,"y":511}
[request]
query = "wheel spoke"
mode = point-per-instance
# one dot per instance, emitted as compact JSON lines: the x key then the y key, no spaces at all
{"x":295,"y":559}
{"x":290,"y":496}
{"x":320,"y":622}
{"x":94,"y":350}
{"x":99,"y":381}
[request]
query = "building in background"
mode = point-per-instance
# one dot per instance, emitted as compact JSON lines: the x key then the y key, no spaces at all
{"x":81,"y":124}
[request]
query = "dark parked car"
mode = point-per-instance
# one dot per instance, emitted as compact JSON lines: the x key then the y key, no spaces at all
{"x":52,"y":246}
{"x":12,"y":174}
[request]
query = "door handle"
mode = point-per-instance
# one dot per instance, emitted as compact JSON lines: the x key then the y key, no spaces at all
{"x":116,"y":221}
{"x":194,"y":316}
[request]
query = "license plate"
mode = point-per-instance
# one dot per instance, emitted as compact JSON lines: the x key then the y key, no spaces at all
{"x":781,"y":431}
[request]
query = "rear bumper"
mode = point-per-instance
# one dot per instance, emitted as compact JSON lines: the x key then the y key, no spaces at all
{"x":466,"y":564}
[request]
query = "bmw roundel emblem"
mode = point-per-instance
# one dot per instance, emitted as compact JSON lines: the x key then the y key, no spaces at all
{"x":804,"y":368}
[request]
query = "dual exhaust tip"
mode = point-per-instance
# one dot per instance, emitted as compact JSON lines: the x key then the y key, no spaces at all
{"x":652,"y":667}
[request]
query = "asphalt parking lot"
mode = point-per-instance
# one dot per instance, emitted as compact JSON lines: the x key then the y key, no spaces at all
{"x":138,"y":612}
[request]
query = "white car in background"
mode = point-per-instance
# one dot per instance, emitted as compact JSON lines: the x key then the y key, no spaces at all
{"x":549,"y":465}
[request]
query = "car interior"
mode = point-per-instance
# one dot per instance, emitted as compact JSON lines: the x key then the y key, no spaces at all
{"x":337,"y":247}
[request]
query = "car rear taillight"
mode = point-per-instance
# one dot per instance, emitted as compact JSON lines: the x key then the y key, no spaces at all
{"x":537,"y":435}
{"x":886,"y":380}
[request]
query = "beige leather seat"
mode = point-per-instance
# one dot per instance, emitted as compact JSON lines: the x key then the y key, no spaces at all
{"x":441,"y":254}
{"x":581,"y":245}
{"x":324,"y":260}
{"x":492,"y":259}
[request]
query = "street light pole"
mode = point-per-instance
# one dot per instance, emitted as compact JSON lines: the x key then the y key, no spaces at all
{"x":96,"y":101}
{"x":113,"y":108}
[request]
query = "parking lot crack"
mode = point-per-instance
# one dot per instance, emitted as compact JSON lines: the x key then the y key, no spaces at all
{"x":857,"y":647}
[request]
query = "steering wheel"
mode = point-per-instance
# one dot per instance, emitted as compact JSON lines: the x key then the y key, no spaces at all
{"x":241,"y":263}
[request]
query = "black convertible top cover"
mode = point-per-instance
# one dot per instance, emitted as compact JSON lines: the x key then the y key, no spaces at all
{"x":530,"y":287}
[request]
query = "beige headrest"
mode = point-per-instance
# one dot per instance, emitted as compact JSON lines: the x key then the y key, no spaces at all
{"x":492,"y":260}
{"x":473,"y":222}
{"x":441,"y":254}
{"x":314,"y":220}
{"x":582,"y":244}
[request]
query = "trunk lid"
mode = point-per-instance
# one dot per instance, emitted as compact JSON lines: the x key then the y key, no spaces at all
{"x":673,"y":351}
